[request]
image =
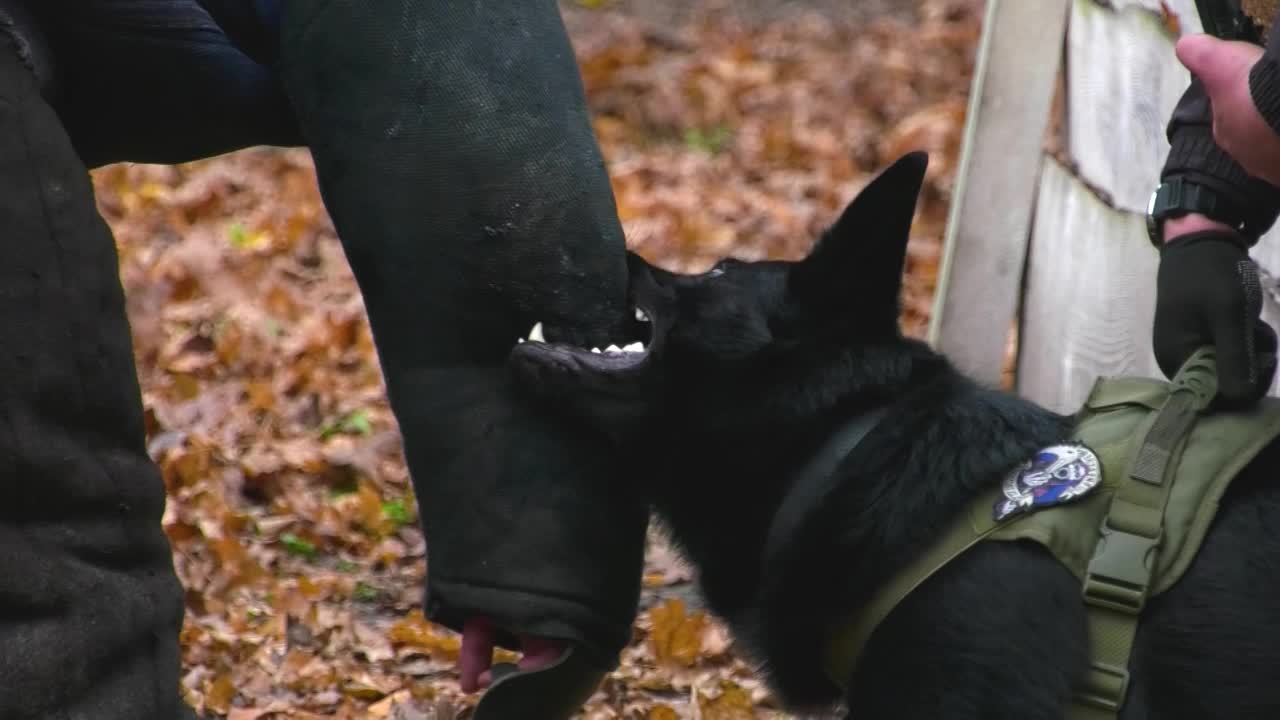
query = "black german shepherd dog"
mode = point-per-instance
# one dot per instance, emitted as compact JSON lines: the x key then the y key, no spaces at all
{"x":749,"y":371}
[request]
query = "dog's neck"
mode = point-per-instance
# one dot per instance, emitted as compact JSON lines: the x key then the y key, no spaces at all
{"x":935,"y":450}
{"x":843,"y":442}
{"x":815,"y":477}
{"x":937,"y":447}
{"x":731,"y":458}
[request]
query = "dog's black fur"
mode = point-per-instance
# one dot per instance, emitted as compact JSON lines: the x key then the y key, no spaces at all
{"x":753,"y":367}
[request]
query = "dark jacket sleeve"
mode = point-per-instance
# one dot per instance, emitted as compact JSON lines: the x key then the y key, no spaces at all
{"x":146,"y":81}
{"x":252,"y":25}
{"x":1195,"y":155}
{"x":1264,"y":80}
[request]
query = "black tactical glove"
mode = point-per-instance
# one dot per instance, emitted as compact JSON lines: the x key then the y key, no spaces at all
{"x":1208,"y":293}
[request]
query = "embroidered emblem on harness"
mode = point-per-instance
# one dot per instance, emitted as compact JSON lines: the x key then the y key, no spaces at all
{"x":1056,"y":474}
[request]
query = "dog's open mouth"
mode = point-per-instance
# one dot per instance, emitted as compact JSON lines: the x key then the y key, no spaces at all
{"x":534,"y":352}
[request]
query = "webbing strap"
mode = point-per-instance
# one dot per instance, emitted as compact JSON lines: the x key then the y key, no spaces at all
{"x":1118,"y":580}
{"x":848,"y":639}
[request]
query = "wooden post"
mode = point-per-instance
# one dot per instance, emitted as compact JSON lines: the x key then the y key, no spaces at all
{"x":986,"y":239}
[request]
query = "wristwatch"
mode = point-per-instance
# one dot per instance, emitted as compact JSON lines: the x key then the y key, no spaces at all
{"x":1179,"y":196}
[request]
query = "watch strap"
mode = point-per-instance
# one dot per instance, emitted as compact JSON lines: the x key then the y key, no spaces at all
{"x":1179,"y":196}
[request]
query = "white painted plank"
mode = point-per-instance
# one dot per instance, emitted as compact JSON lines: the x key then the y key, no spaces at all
{"x":1018,"y":59}
{"x":1090,"y":295}
{"x":1123,"y":82}
{"x":1185,"y":10}
{"x":1267,"y":251}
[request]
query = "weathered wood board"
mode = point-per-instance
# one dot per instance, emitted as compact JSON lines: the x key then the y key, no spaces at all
{"x":1123,"y":82}
{"x":1090,"y":295}
{"x":985,"y":248}
{"x":1086,"y":304}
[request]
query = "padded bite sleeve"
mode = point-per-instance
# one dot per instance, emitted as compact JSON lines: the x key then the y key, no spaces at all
{"x":458,"y":163}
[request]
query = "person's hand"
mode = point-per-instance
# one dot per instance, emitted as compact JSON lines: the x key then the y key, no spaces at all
{"x":475,"y":659}
{"x":1238,"y":128}
{"x":1208,"y":293}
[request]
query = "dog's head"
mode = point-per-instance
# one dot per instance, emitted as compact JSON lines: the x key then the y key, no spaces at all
{"x":700,"y":342}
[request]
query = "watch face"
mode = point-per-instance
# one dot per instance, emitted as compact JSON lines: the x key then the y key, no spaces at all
{"x":1153,"y":225}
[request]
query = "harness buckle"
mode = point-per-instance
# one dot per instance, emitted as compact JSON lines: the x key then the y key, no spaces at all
{"x":1104,"y":687}
{"x":1119,"y":575}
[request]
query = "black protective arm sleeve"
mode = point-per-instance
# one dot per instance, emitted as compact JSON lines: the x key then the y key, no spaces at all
{"x":457,"y":160}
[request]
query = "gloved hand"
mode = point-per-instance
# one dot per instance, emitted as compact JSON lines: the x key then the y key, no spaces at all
{"x":1208,"y":293}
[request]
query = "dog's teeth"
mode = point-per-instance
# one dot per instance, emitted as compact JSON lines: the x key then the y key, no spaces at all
{"x":536,"y":333}
{"x":595,"y":350}
{"x":641,"y":316}
{"x":613,"y":349}
{"x":635,"y":347}
{"x":519,"y":340}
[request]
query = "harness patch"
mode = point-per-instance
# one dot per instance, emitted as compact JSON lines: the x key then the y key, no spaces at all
{"x":1056,"y":475}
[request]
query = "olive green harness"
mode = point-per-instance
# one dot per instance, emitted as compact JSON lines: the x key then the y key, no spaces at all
{"x":1165,"y":465}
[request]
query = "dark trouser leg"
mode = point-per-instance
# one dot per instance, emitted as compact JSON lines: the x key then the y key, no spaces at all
{"x":90,"y":606}
{"x":456,"y":158}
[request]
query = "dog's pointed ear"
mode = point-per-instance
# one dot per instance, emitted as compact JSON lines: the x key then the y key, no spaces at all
{"x":857,"y":264}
